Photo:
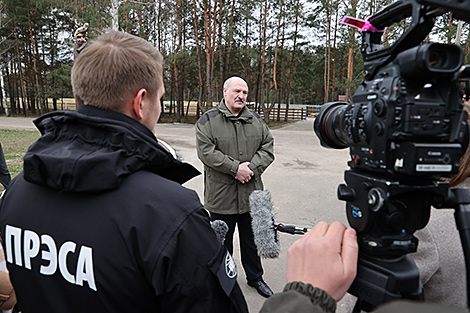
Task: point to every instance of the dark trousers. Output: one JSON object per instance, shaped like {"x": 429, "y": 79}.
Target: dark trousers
{"x": 250, "y": 260}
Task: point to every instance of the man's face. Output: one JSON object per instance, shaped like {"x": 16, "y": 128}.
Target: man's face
{"x": 235, "y": 96}
{"x": 152, "y": 109}
{"x": 81, "y": 38}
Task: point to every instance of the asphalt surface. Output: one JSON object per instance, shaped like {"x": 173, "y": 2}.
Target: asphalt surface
{"x": 302, "y": 180}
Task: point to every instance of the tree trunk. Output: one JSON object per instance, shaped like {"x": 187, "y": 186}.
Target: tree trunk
{"x": 141, "y": 26}
{"x": 350, "y": 73}
{"x": 280, "y": 73}
{"x": 199, "y": 65}
{"x": 246, "y": 46}
{"x": 263, "y": 61}
{"x": 467, "y": 47}
{"x": 207, "y": 37}
{"x": 333, "y": 90}
{"x": 276, "y": 90}
{"x": 128, "y": 18}
{"x": 449, "y": 32}
{"x": 21, "y": 82}
{"x": 34, "y": 55}
{"x": 221, "y": 54}
{"x": 115, "y": 14}
{"x": 53, "y": 82}
{"x": 289, "y": 82}
{"x": 229, "y": 40}
{"x": 179, "y": 102}
{"x": 12, "y": 90}
{"x": 326, "y": 75}
{"x": 159, "y": 27}
{"x": 213, "y": 41}
{"x": 4, "y": 96}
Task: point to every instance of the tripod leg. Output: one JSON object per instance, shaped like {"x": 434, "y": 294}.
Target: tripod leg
{"x": 357, "y": 306}
{"x": 462, "y": 219}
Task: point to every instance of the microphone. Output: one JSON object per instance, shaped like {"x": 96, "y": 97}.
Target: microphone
{"x": 264, "y": 225}
{"x": 220, "y": 228}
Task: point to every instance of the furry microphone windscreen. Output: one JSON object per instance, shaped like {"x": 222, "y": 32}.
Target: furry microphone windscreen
{"x": 220, "y": 228}
{"x": 262, "y": 215}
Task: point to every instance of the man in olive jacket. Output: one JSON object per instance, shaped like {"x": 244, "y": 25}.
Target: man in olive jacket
{"x": 236, "y": 147}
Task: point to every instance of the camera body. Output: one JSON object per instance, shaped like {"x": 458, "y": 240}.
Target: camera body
{"x": 405, "y": 128}
{"x": 407, "y": 120}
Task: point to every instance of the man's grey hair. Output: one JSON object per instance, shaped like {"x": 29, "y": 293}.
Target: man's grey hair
{"x": 229, "y": 80}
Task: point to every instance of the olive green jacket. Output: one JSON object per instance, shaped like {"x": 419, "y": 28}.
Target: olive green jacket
{"x": 298, "y": 297}
{"x": 223, "y": 141}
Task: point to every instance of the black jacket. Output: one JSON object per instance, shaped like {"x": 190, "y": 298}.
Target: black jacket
{"x": 98, "y": 222}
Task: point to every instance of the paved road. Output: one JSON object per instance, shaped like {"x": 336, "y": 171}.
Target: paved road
{"x": 302, "y": 180}
{"x": 17, "y": 123}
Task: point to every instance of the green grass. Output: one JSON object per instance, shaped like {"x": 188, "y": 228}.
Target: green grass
{"x": 15, "y": 143}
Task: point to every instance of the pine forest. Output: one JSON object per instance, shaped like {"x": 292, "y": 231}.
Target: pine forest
{"x": 289, "y": 51}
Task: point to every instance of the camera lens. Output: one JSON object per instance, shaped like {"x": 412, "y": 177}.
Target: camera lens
{"x": 330, "y": 127}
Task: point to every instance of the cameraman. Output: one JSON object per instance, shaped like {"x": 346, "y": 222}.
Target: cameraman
{"x": 80, "y": 38}
{"x": 320, "y": 268}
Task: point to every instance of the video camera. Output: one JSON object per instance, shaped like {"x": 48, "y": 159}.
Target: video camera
{"x": 405, "y": 128}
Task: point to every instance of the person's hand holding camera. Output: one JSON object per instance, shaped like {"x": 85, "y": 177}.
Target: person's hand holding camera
{"x": 325, "y": 257}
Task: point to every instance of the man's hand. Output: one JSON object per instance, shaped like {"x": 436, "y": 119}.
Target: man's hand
{"x": 326, "y": 258}
{"x": 244, "y": 173}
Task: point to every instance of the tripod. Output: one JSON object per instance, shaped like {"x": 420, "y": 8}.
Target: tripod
{"x": 379, "y": 281}
{"x": 459, "y": 199}
{"x": 386, "y": 213}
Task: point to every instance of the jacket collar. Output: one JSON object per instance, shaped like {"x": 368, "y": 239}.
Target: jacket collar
{"x": 93, "y": 150}
{"x": 244, "y": 115}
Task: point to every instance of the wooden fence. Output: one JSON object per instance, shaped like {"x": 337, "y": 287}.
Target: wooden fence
{"x": 295, "y": 112}
{"x": 276, "y": 114}
{"x": 279, "y": 114}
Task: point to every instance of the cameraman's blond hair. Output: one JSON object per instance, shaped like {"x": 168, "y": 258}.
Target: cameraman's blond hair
{"x": 464, "y": 169}
{"x": 113, "y": 68}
